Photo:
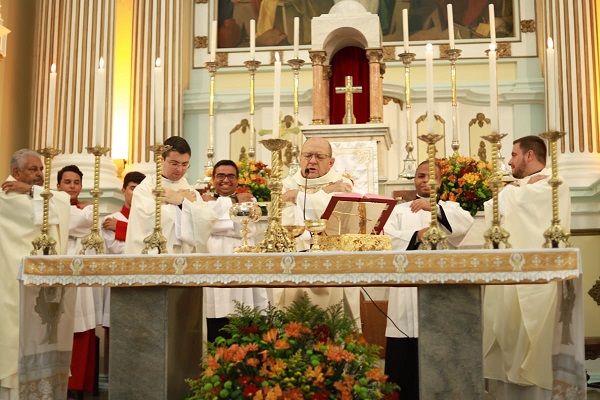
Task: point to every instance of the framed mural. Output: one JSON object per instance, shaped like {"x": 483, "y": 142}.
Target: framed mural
{"x": 427, "y": 21}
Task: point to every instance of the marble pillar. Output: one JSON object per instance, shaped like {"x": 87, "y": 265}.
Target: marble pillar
{"x": 375, "y": 86}
{"x": 450, "y": 342}
{"x": 318, "y": 59}
{"x": 326, "y": 89}
{"x": 74, "y": 34}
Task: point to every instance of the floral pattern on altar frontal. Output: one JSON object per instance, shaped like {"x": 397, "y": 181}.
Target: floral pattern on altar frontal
{"x": 302, "y": 352}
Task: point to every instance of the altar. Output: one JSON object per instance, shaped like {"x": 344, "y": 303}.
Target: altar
{"x": 157, "y": 313}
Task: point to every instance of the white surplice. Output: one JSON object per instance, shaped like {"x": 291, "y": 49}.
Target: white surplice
{"x": 186, "y": 229}
{"x": 524, "y": 329}
{"x": 227, "y": 235}
{"x": 312, "y": 202}
{"x": 401, "y": 226}
{"x": 20, "y": 224}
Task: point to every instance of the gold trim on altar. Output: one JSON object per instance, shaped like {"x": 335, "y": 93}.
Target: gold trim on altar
{"x": 386, "y": 268}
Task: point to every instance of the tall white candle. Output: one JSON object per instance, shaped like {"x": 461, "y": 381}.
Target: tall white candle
{"x": 296, "y": 36}
{"x": 492, "y": 23}
{"x": 213, "y": 40}
{"x": 493, "y": 89}
{"x": 51, "y": 101}
{"x": 99, "y": 104}
{"x": 252, "y": 38}
{"x": 429, "y": 81}
{"x": 405, "y": 29}
{"x": 276, "y": 95}
{"x": 450, "y": 25}
{"x": 551, "y": 86}
{"x": 158, "y": 102}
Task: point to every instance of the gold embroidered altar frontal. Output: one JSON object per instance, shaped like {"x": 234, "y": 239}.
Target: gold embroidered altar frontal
{"x": 369, "y": 268}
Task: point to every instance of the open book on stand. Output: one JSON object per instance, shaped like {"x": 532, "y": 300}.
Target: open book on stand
{"x": 355, "y": 221}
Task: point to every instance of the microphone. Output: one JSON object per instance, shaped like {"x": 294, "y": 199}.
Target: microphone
{"x": 306, "y": 171}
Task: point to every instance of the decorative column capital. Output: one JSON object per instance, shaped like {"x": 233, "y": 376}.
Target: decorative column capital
{"x": 317, "y": 57}
{"x": 374, "y": 55}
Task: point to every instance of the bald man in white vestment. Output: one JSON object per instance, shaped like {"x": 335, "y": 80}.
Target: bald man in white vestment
{"x": 406, "y": 226}
{"x": 186, "y": 220}
{"x": 21, "y": 210}
{"x": 520, "y": 320}
{"x": 307, "y": 194}
{"x": 226, "y": 236}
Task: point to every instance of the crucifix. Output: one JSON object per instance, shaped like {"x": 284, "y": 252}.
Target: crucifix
{"x": 349, "y": 90}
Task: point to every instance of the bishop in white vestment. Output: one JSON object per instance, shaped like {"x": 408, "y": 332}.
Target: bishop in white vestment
{"x": 308, "y": 193}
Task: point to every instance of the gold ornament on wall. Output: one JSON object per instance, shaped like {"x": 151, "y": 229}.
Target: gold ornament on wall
{"x": 527, "y": 26}
{"x": 200, "y": 42}
{"x": 504, "y": 50}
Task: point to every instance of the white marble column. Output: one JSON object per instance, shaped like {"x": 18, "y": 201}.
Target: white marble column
{"x": 573, "y": 26}
{"x": 157, "y": 33}
{"x": 74, "y": 34}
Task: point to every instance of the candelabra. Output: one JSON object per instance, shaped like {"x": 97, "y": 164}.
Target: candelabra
{"x": 495, "y": 234}
{"x": 94, "y": 240}
{"x": 212, "y": 68}
{"x": 252, "y": 66}
{"x": 296, "y": 64}
{"x": 434, "y": 236}
{"x": 157, "y": 240}
{"x": 556, "y": 233}
{"x": 453, "y": 55}
{"x": 45, "y": 242}
{"x": 409, "y": 169}
{"x": 276, "y": 239}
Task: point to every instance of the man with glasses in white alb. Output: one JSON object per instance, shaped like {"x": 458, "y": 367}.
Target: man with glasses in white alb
{"x": 186, "y": 220}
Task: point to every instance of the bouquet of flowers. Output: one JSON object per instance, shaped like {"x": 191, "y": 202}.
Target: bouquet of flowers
{"x": 253, "y": 178}
{"x": 465, "y": 180}
{"x": 302, "y": 352}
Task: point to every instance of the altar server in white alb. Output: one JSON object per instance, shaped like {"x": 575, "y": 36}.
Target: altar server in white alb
{"x": 532, "y": 345}
{"x": 114, "y": 230}
{"x": 21, "y": 211}
{"x": 307, "y": 194}
{"x": 186, "y": 220}
{"x": 89, "y": 305}
{"x": 226, "y": 236}
{"x": 406, "y": 226}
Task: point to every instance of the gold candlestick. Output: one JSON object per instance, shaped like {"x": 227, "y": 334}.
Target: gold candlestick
{"x": 212, "y": 68}
{"x": 94, "y": 240}
{"x": 276, "y": 239}
{"x": 453, "y": 55}
{"x": 296, "y": 64}
{"x": 409, "y": 169}
{"x": 434, "y": 236}
{"x": 252, "y": 66}
{"x": 556, "y": 233}
{"x": 157, "y": 240}
{"x": 45, "y": 242}
{"x": 495, "y": 234}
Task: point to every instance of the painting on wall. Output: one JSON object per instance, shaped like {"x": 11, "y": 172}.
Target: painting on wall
{"x": 427, "y": 20}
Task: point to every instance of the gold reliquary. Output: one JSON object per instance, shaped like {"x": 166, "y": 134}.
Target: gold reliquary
{"x": 355, "y": 222}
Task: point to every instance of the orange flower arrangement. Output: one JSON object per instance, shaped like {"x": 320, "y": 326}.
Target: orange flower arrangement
{"x": 302, "y": 352}
{"x": 465, "y": 181}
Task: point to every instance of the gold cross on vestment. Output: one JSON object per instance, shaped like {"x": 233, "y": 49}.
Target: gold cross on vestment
{"x": 349, "y": 90}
